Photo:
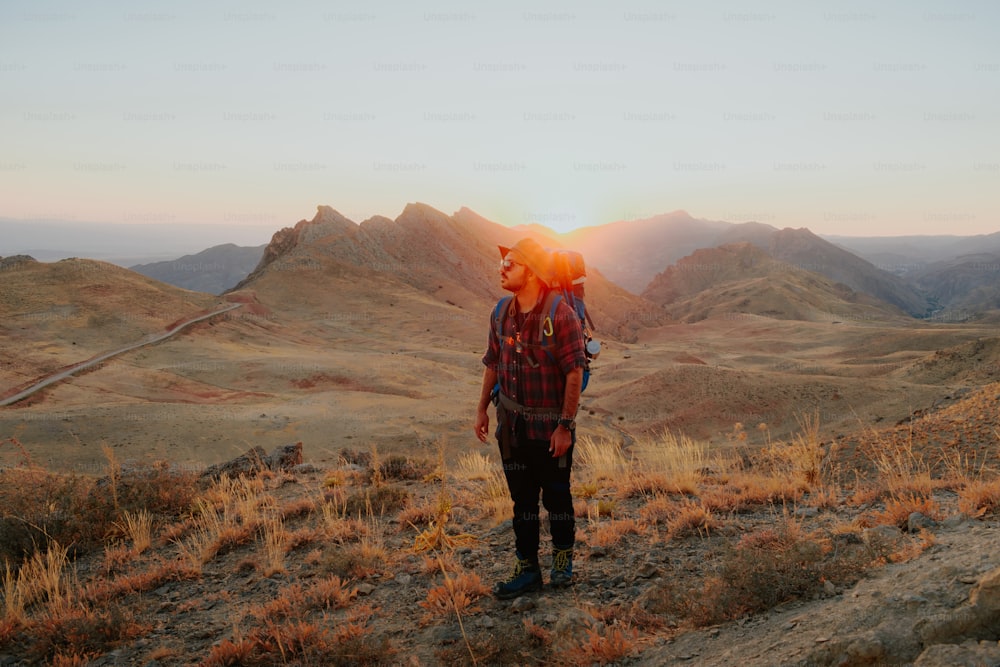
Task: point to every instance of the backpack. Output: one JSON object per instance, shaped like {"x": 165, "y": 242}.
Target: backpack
{"x": 565, "y": 284}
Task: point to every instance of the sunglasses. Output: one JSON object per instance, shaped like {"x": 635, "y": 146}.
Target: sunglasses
{"x": 506, "y": 264}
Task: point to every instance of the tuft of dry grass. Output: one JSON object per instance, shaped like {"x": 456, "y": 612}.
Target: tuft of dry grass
{"x": 602, "y": 648}
{"x": 691, "y": 517}
{"x": 138, "y": 528}
{"x": 978, "y": 498}
{"x": 898, "y": 509}
{"x": 606, "y": 534}
{"x": 456, "y": 595}
{"x": 600, "y": 459}
{"x": 436, "y": 536}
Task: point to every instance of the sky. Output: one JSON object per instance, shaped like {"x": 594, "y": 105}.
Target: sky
{"x": 849, "y": 118}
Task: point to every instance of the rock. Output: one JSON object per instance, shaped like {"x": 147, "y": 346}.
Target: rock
{"x": 883, "y": 534}
{"x": 829, "y": 589}
{"x": 986, "y": 596}
{"x": 917, "y": 522}
{"x": 487, "y": 622}
{"x": 255, "y": 461}
{"x": 647, "y": 570}
{"x": 572, "y": 627}
{"x": 304, "y": 469}
{"x": 403, "y": 579}
{"x": 522, "y": 604}
{"x": 365, "y": 589}
{"x": 969, "y": 654}
{"x": 598, "y": 552}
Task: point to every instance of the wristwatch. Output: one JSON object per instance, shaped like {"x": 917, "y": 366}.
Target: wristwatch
{"x": 568, "y": 424}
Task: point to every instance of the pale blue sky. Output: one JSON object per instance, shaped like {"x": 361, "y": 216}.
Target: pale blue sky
{"x": 867, "y": 118}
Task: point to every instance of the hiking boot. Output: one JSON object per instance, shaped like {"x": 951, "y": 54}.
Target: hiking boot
{"x": 525, "y": 577}
{"x": 562, "y": 568}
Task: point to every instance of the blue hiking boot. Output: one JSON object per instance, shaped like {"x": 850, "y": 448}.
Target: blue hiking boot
{"x": 525, "y": 577}
{"x": 561, "y": 574}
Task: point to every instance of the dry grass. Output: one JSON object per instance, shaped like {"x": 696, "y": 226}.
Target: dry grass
{"x": 600, "y": 459}
{"x": 138, "y": 528}
{"x": 669, "y": 490}
{"x": 979, "y": 497}
{"x": 898, "y": 509}
{"x": 436, "y": 536}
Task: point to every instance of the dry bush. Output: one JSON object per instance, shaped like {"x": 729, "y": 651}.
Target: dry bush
{"x": 417, "y": 515}
{"x": 377, "y": 500}
{"x": 802, "y": 458}
{"x": 403, "y": 468}
{"x": 155, "y": 576}
{"x": 657, "y": 511}
{"x": 441, "y": 561}
{"x": 138, "y": 528}
{"x": 330, "y": 593}
{"x": 898, "y": 510}
{"x": 600, "y": 459}
{"x": 473, "y": 466}
{"x": 761, "y": 570}
{"x": 979, "y": 497}
{"x": 670, "y": 463}
{"x": 691, "y": 517}
{"x": 44, "y": 579}
{"x": 80, "y": 630}
{"x": 38, "y": 507}
{"x": 901, "y": 468}
{"x": 486, "y": 497}
{"x": 586, "y": 490}
{"x": 298, "y": 508}
{"x": 611, "y": 533}
{"x": 364, "y": 558}
{"x": 825, "y": 496}
{"x": 436, "y": 536}
{"x": 602, "y": 648}
{"x": 275, "y": 546}
{"x": 456, "y": 596}
{"x": 750, "y": 488}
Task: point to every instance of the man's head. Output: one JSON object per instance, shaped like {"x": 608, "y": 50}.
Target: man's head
{"x": 525, "y": 260}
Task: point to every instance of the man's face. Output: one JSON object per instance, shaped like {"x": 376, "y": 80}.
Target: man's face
{"x": 513, "y": 274}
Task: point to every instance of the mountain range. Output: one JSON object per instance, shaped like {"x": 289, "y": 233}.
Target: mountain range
{"x": 921, "y": 276}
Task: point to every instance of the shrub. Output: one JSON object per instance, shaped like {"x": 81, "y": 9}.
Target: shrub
{"x": 376, "y": 501}
{"x": 763, "y": 569}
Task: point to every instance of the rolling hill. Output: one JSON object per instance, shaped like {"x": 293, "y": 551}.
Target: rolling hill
{"x": 740, "y": 279}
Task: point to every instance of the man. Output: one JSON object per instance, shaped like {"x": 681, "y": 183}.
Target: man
{"x": 539, "y": 391}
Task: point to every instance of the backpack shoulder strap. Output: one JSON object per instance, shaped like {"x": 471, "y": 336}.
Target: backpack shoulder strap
{"x": 546, "y": 327}
{"x": 500, "y": 314}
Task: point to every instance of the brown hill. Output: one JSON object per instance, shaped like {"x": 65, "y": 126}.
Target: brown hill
{"x": 963, "y": 287}
{"x": 631, "y": 253}
{"x": 53, "y": 314}
{"x": 737, "y": 280}
{"x": 805, "y": 250}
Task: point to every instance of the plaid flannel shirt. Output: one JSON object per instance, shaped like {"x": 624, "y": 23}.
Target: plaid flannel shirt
{"x": 544, "y": 384}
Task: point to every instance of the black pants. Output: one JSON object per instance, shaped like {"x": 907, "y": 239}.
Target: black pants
{"x": 530, "y": 470}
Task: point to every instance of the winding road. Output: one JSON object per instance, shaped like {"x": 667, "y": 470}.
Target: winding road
{"x": 83, "y": 365}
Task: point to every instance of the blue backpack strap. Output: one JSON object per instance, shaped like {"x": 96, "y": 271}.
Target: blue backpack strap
{"x": 499, "y": 314}
{"x": 547, "y": 331}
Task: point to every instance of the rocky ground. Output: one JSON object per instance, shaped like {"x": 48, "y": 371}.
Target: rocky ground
{"x": 936, "y": 601}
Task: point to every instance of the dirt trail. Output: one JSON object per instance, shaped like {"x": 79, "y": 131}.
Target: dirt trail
{"x": 83, "y": 365}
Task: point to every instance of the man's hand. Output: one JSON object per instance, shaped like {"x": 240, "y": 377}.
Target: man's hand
{"x": 482, "y": 424}
{"x": 560, "y": 442}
